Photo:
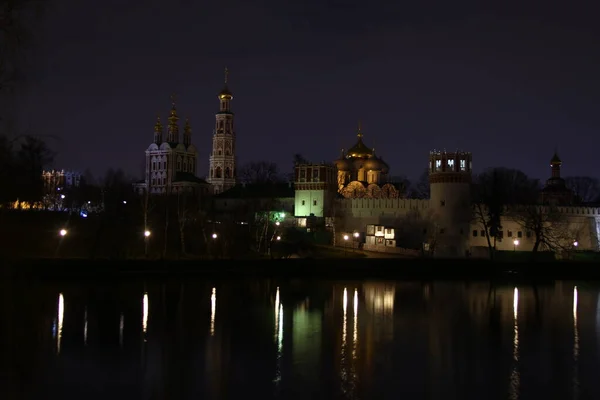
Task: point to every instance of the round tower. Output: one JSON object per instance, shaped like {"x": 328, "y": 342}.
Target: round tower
{"x": 450, "y": 201}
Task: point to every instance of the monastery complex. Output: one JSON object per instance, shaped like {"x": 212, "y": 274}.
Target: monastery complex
{"x": 353, "y": 194}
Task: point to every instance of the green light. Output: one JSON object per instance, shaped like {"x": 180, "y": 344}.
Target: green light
{"x": 281, "y": 215}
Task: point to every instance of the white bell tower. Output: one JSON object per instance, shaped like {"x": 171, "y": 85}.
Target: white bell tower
{"x": 222, "y": 171}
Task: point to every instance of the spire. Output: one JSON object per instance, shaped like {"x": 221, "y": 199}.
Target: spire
{"x": 555, "y": 158}
{"x": 359, "y": 134}
{"x": 187, "y": 133}
{"x": 158, "y": 131}
{"x": 225, "y": 93}
{"x": 173, "y": 129}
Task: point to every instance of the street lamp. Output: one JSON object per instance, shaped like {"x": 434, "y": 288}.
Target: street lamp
{"x": 575, "y": 243}
{"x": 515, "y": 243}
{"x": 277, "y": 223}
{"x": 346, "y": 237}
{"x": 62, "y": 232}
{"x": 278, "y": 237}
{"x": 214, "y": 235}
{"x": 146, "y": 238}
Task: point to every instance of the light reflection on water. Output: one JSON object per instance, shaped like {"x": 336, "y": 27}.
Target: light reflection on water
{"x": 390, "y": 339}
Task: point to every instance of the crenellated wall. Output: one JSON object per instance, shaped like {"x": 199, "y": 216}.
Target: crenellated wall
{"x": 582, "y": 223}
{"x": 358, "y": 213}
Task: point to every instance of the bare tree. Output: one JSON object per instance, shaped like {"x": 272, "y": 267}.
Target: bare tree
{"x": 259, "y": 172}
{"x": 493, "y": 191}
{"x": 419, "y": 189}
{"x": 549, "y": 227}
{"x": 585, "y": 188}
{"x": 414, "y": 229}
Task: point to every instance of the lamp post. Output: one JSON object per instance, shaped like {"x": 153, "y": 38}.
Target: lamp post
{"x": 515, "y": 244}
{"x": 346, "y": 237}
{"x": 147, "y": 234}
{"x": 356, "y": 236}
{"x": 214, "y": 237}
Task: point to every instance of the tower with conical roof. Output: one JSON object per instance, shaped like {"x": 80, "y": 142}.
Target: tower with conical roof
{"x": 222, "y": 169}
{"x": 555, "y": 190}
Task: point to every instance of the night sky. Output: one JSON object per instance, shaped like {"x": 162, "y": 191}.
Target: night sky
{"x": 508, "y": 83}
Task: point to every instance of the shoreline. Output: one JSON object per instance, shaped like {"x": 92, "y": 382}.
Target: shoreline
{"x": 336, "y": 269}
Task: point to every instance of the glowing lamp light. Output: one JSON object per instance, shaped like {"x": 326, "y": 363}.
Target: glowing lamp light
{"x": 516, "y": 242}
{"x": 147, "y": 233}
{"x": 277, "y": 223}
{"x": 346, "y": 237}
{"x": 356, "y": 234}
{"x": 62, "y": 196}
{"x": 278, "y": 237}
{"x": 575, "y": 243}
{"x": 124, "y": 201}
{"x": 214, "y": 235}
{"x": 62, "y": 232}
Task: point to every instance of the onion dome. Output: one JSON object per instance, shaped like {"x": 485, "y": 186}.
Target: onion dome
{"x": 359, "y": 150}
{"x": 225, "y": 93}
{"x": 343, "y": 164}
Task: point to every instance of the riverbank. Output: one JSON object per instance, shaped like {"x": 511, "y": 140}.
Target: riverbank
{"x": 351, "y": 269}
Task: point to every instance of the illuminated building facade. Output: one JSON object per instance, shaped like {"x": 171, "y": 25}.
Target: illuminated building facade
{"x": 222, "y": 169}
{"x": 446, "y": 223}
{"x": 171, "y": 161}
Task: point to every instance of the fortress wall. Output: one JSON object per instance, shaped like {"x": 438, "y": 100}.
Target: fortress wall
{"x": 583, "y": 228}
{"x": 358, "y": 213}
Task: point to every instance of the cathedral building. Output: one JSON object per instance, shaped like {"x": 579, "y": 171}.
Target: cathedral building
{"x": 171, "y": 160}
{"x": 360, "y": 173}
{"x": 222, "y": 168}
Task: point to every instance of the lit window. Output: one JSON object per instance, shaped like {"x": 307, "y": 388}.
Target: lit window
{"x": 451, "y": 163}
{"x": 463, "y": 165}
{"x": 438, "y": 164}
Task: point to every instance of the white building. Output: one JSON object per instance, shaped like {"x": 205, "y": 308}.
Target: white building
{"x": 222, "y": 168}
{"x": 171, "y": 162}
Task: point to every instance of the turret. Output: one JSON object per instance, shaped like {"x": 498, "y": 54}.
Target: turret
{"x": 187, "y": 133}
{"x": 450, "y": 177}
{"x": 173, "y": 128}
{"x": 158, "y": 131}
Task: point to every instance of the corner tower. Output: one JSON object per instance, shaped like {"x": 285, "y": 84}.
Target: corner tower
{"x": 450, "y": 188}
{"x": 222, "y": 169}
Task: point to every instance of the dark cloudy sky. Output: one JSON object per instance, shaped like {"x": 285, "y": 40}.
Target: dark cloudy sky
{"x": 506, "y": 80}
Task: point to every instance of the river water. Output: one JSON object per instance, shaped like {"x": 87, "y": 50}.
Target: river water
{"x": 236, "y": 339}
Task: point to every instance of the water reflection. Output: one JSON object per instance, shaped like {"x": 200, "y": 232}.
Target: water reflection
{"x": 85, "y": 327}
{"x": 278, "y": 338}
{"x": 575, "y": 346}
{"x": 515, "y": 378}
{"x": 121, "y": 326}
{"x": 440, "y": 340}
{"x": 145, "y": 308}
{"x": 348, "y": 356}
{"x": 213, "y": 310}
{"x": 60, "y": 320}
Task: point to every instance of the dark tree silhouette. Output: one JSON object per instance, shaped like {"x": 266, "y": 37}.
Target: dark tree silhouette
{"x": 419, "y": 189}
{"x": 493, "y": 191}
{"x": 259, "y": 172}
{"x": 585, "y": 188}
